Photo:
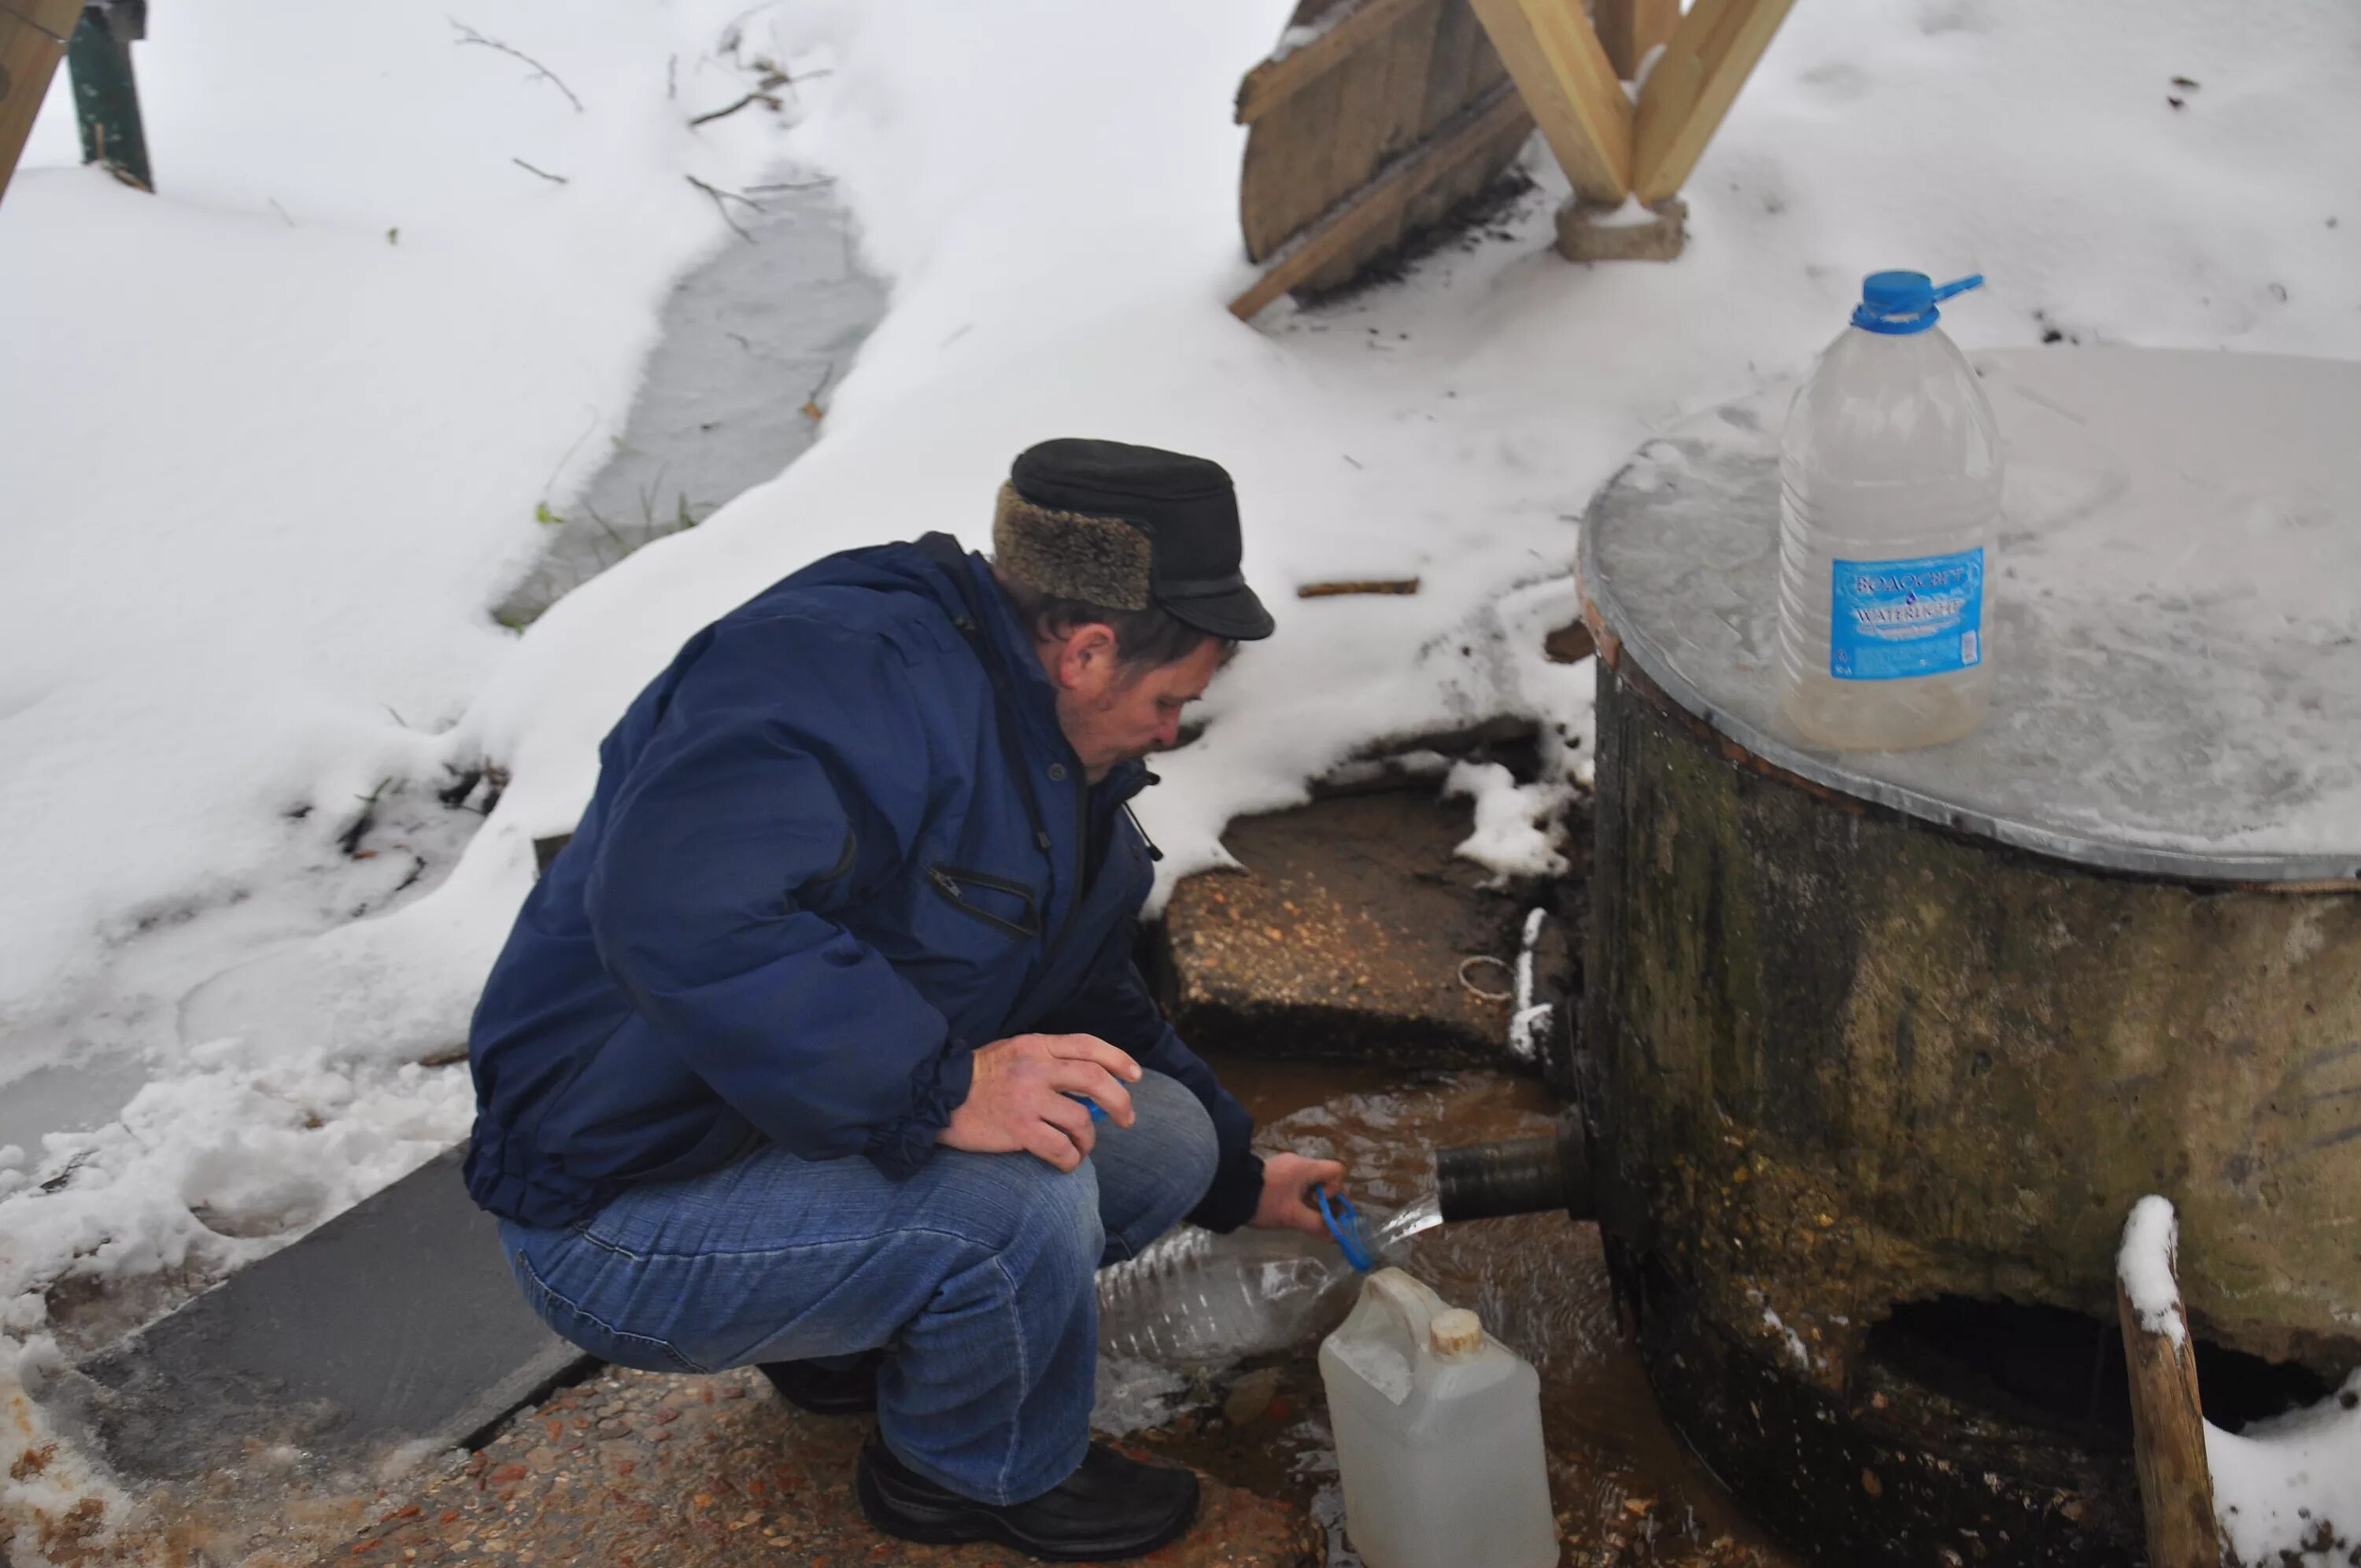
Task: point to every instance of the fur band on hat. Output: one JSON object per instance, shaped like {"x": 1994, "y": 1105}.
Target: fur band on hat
{"x": 1072, "y": 554}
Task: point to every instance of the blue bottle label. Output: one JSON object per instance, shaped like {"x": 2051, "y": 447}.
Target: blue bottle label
{"x": 1892, "y": 620}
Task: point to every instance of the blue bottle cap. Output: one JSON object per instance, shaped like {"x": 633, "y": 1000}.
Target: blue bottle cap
{"x": 1344, "y": 1225}
{"x": 1899, "y": 303}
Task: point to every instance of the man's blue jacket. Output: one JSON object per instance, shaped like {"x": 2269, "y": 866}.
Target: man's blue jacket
{"x": 838, "y": 846}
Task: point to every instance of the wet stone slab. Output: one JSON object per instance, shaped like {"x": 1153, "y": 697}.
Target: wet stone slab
{"x": 396, "y": 1322}
{"x": 1344, "y": 939}
{"x": 633, "y": 1468}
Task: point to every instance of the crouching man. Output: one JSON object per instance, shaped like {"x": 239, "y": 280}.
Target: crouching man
{"x": 792, "y": 1058}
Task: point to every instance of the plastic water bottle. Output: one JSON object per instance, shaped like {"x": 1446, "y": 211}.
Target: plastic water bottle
{"x": 1889, "y": 486}
{"x": 1438, "y": 1435}
{"x": 1195, "y": 1297}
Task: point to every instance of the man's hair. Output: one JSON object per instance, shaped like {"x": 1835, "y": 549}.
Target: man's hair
{"x": 1144, "y": 639}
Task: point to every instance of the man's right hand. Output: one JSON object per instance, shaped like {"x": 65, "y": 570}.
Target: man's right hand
{"x": 1020, "y": 1101}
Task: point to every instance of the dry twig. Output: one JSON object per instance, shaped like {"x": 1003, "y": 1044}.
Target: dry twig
{"x": 545, "y": 174}
{"x": 811, "y": 409}
{"x": 721, "y": 200}
{"x": 468, "y": 35}
{"x": 765, "y": 99}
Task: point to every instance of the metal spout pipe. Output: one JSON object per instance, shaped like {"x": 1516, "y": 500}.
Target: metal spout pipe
{"x": 1517, "y": 1176}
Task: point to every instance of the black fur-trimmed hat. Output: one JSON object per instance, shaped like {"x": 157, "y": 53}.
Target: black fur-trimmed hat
{"x": 1127, "y": 527}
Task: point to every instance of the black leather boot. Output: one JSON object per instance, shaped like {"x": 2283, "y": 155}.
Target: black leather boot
{"x": 1109, "y": 1508}
{"x": 830, "y": 1385}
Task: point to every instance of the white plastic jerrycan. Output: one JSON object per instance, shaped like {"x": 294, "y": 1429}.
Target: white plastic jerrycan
{"x": 1438, "y": 1435}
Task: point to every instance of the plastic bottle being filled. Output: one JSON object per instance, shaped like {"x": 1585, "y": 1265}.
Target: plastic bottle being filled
{"x": 1195, "y": 1297}
{"x": 1889, "y": 489}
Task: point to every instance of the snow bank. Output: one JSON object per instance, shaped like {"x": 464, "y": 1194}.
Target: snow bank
{"x": 271, "y": 462}
{"x": 2287, "y": 1490}
{"x": 277, "y": 438}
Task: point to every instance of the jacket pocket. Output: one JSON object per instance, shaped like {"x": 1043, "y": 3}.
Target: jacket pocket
{"x": 1003, "y": 904}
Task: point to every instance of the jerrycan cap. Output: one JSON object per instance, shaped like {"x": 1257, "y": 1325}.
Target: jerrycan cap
{"x": 1455, "y": 1331}
{"x": 1899, "y": 303}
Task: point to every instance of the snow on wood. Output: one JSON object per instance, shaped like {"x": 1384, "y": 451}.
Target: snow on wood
{"x": 2145, "y": 1263}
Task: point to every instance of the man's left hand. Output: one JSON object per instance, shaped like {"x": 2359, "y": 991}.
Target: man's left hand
{"x": 1287, "y": 1182}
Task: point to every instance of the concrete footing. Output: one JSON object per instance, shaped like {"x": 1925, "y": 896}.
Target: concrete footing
{"x": 1593, "y": 231}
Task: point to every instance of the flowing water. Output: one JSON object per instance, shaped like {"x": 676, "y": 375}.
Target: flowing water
{"x": 1625, "y": 1490}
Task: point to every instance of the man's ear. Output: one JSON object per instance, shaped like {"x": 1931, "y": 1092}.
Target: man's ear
{"x": 1087, "y": 663}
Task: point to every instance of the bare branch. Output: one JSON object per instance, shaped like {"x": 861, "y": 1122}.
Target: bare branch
{"x": 468, "y": 35}
{"x": 765, "y": 99}
{"x": 797, "y": 184}
{"x": 545, "y": 174}
{"x": 721, "y": 200}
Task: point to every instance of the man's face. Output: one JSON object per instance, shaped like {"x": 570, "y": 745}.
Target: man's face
{"x": 1112, "y": 712}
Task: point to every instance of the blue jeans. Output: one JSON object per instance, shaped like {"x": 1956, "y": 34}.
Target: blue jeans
{"x": 976, "y": 1276}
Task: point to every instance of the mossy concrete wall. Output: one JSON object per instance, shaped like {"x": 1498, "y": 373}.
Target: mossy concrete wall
{"x": 1840, "y": 1061}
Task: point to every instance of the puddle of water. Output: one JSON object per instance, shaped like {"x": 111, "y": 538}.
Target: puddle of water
{"x": 1625, "y": 1490}
{"x": 68, "y": 1097}
{"x": 751, "y": 344}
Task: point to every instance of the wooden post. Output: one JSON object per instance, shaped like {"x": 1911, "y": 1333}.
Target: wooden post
{"x": 2167, "y": 1423}
{"x": 33, "y": 36}
{"x": 1573, "y": 90}
{"x": 1692, "y": 86}
{"x": 106, "y": 94}
{"x": 1627, "y": 29}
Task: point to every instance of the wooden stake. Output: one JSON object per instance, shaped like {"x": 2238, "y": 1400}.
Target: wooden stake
{"x": 2168, "y": 1439}
{"x": 1361, "y": 586}
{"x": 1692, "y": 87}
{"x": 1384, "y": 198}
{"x": 33, "y": 35}
{"x": 1571, "y": 87}
{"x": 1627, "y": 29}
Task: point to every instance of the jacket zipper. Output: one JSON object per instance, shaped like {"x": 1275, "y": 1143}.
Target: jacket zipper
{"x": 946, "y": 880}
{"x": 1153, "y": 852}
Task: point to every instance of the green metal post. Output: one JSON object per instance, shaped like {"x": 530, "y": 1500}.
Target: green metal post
{"x": 106, "y": 100}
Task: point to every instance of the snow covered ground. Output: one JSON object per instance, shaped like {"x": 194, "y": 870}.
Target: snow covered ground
{"x": 277, "y": 438}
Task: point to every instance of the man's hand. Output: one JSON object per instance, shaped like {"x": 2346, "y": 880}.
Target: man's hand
{"x": 1287, "y": 1182}
{"x": 1020, "y": 1101}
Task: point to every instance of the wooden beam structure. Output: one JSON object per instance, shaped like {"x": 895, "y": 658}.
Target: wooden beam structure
{"x": 1383, "y": 201}
{"x": 33, "y": 35}
{"x": 1692, "y": 87}
{"x": 1627, "y": 29}
{"x": 1571, "y": 86}
{"x": 2169, "y": 1433}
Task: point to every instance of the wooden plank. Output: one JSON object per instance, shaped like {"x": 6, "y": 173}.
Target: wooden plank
{"x": 1367, "y": 113}
{"x": 2169, "y": 1435}
{"x": 1693, "y": 85}
{"x": 1450, "y": 57}
{"x": 1409, "y": 57}
{"x": 1627, "y": 29}
{"x": 1286, "y": 182}
{"x": 1357, "y": 585}
{"x": 1435, "y": 204}
{"x": 1556, "y": 60}
{"x": 1353, "y": 219}
{"x": 1344, "y": 30}
{"x": 33, "y": 36}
